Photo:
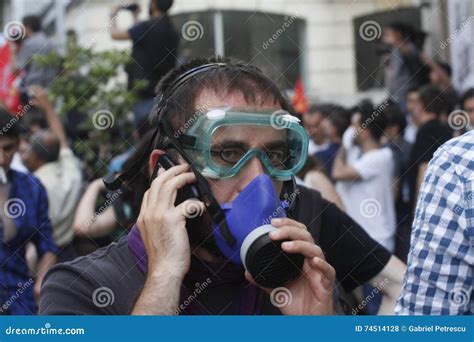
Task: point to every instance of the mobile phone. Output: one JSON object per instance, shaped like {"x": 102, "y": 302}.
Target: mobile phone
{"x": 186, "y": 192}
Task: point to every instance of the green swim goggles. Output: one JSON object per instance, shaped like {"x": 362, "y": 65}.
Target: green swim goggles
{"x": 220, "y": 142}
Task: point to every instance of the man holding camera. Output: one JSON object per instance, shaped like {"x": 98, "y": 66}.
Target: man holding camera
{"x": 155, "y": 44}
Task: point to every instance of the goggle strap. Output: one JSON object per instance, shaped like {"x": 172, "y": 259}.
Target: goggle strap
{"x": 114, "y": 182}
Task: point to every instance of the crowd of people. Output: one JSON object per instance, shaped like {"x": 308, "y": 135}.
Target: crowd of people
{"x": 390, "y": 212}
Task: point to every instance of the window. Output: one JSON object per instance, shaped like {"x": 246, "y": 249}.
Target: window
{"x": 368, "y": 43}
{"x": 272, "y": 42}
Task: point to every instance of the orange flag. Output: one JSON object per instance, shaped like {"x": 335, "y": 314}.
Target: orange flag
{"x": 299, "y": 101}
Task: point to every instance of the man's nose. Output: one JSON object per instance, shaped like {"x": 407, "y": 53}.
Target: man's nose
{"x": 253, "y": 169}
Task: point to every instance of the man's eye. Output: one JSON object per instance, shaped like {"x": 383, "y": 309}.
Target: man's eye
{"x": 277, "y": 157}
{"x": 231, "y": 155}
{"x": 8, "y": 148}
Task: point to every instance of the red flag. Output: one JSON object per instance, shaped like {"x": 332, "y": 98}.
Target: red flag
{"x": 299, "y": 101}
{"x": 9, "y": 95}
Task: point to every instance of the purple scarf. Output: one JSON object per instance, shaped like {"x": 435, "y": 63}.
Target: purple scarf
{"x": 250, "y": 297}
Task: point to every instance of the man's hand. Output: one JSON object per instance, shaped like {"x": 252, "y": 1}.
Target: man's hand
{"x": 55, "y": 125}
{"x": 163, "y": 230}
{"x": 41, "y": 98}
{"x": 312, "y": 292}
{"x": 163, "y": 226}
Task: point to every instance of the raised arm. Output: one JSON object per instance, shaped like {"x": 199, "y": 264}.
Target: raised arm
{"x": 55, "y": 125}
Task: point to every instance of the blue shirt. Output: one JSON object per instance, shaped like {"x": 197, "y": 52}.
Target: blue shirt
{"x": 440, "y": 274}
{"x": 27, "y": 206}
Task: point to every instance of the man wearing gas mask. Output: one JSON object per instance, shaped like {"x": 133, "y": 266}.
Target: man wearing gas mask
{"x": 226, "y": 230}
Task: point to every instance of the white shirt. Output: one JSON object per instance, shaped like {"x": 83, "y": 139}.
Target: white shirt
{"x": 313, "y": 147}
{"x": 17, "y": 164}
{"x": 370, "y": 201}
{"x": 62, "y": 180}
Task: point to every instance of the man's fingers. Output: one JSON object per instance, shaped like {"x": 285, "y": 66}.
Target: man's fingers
{"x": 291, "y": 233}
{"x": 285, "y": 221}
{"x": 308, "y": 249}
{"x": 143, "y": 207}
{"x": 169, "y": 189}
{"x": 158, "y": 182}
{"x": 325, "y": 268}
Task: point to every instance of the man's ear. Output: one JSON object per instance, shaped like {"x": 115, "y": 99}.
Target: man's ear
{"x": 155, "y": 154}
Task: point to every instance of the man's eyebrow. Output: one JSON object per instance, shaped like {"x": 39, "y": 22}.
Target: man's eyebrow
{"x": 8, "y": 146}
{"x": 229, "y": 143}
{"x": 276, "y": 144}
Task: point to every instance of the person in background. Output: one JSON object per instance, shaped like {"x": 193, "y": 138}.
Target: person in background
{"x": 403, "y": 68}
{"x": 335, "y": 122}
{"x": 154, "y": 52}
{"x": 24, "y": 219}
{"x": 365, "y": 185}
{"x": 314, "y": 177}
{"x": 432, "y": 133}
{"x": 441, "y": 77}
{"x": 312, "y": 122}
{"x": 35, "y": 43}
{"x": 467, "y": 105}
{"x": 50, "y": 159}
{"x": 413, "y": 104}
{"x": 393, "y": 138}
{"x": 439, "y": 277}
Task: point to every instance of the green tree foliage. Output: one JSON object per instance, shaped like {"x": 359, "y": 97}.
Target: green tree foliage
{"x": 90, "y": 94}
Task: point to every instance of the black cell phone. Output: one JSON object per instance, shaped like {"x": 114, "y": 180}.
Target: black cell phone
{"x": 186, "y": 192}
